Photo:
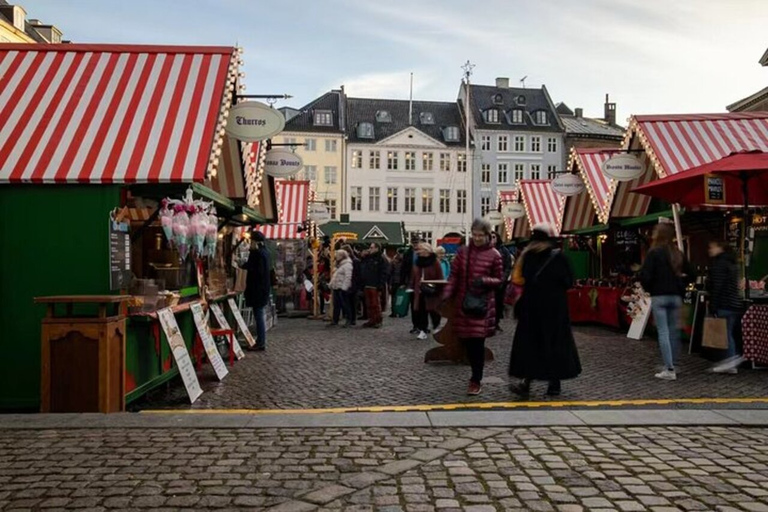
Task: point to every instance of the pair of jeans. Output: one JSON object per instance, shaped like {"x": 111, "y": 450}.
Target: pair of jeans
{"x": 666, "y": 313}
{"x": 732, "y": 319}
{"x": 475, "y": 348}
{"x": 342, "y": 303}
{"x": 261, "y": 327}
{"x": 373, "y": 306}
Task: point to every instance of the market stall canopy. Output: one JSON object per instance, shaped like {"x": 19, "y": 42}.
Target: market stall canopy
{"x": 696, "y": 186}
{"x": 542, "y": 204}
{"x": 386, "y": 233}
{"x": 293, "y": 200}
{"x": 588, "y": 163}
{"x": 81, "y": 113}
{"x": 506, "y": 197}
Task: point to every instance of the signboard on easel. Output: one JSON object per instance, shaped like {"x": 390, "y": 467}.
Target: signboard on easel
{"x": 180, "y": 353}
{"x": 201, "y": 322}
{"x": 219, "y": 314}
{"x": 241, "y": 323}
{"x": 640, "y": 320}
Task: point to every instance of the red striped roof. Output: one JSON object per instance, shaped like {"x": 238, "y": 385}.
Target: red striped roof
{"x": 293, "y": 200}
{"x": 627, "y": 203}
{"x": 508, "y": 196}
{"x": 588, "y": 162}
{"x": 542, "y": 204}
{"x": 578, "y": 212}
{"x": 111, "y": 113}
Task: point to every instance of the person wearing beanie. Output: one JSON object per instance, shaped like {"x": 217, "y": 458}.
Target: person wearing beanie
{"x": 543, "y": 346}
{"x": 257, "y": 286}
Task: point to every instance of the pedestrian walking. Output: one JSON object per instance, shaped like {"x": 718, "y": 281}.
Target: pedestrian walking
{"x": 664, "y": 275}
{"x": 543, "y": 347}
{"x": 426, "y": 297}
{"x": 445, "y": 265}
{"x": 257, "y": 286}
{"x": 725, "y": 301}
{"x": 506, "y": 265}
{"x": 356, "y": 288}
{"x": 394, "y": 279}
{"x": 373, "y": 276}
{"x": 341, "y": 284}
{"x": 475, "y": 273}
{"x": 406, "y": 270}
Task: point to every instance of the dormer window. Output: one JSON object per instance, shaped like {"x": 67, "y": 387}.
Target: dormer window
{"x": 498, "y": 99}
{"x": 365, "y": 131}
{"x": 492, "y": 116}
{"x": 427, "y": 118}
{"x": 517, "y": 116}
{"x": 451, "y": 133}
{"x": 540, "y": 117}
{"x": 323, "y": 118}
{"x": 520, "y": 100}
{"x": 382, "y": 116}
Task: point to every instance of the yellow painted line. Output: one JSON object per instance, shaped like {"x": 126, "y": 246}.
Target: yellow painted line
{"x": 469, "y": 405}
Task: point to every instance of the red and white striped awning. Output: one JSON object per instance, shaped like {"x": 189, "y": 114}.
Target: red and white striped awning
{"x": 629, "y": 204}
{"x": 504, "y": 197}
{"x": 588, "y": 163}
{"x": 230, "y": 180}
{"x": 80, "y": 113}
{"x": 292, "y": 201}
{"x": 542, "y": 204}
{"x": 578, "y": 212}
{"x": 521, "y": 229}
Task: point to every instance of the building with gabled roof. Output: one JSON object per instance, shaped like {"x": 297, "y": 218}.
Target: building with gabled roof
{"x": 756, "y": 102}
{"x": 590, "y": 132}
{"x": 16, "y": 28}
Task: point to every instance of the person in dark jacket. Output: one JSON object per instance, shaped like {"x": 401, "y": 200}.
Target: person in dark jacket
{"x": 665, "y": 275}
{"x": 506, "y": 265}
{"x": 394, "y": 279}
{"x": 373, "y": 278}
{"x": 476, "y": 270}
{"x": 725, "y": 300}
{"x": 406, "y": 270}
{"x": 543, "y": 346}
{"x": 356, "y": 288}
{"x": 427, "y": 268}
{"x": 257, "y": 286}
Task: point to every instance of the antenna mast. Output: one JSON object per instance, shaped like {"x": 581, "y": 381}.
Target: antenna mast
{"x": 410, "y": 104}
{"x": 469, "y": 187}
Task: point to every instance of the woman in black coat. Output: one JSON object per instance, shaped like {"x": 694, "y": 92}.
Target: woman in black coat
{"x": 543, "y": 347}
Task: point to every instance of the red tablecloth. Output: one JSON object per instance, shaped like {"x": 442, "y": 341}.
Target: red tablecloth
{"x": 755, "y": 331}
{"x": 597, "y": 304}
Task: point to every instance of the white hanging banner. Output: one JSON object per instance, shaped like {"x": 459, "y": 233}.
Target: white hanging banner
{"x": 180, "y": 353}
{"x": 201, "y": 322}
{"x": 219, "y": 314}
{"x": 241, "y": 323}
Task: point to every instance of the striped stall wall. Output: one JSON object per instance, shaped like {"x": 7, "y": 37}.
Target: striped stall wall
{"x": 629, "y": 204}
{"x": 504, "y": 197}
{"x": 578, "y": 212}
{"x": 542, "y": 204}
{"x": 111, "y": 113}
{"x": 293, "y": 201}
{"x": 588, "y": 162}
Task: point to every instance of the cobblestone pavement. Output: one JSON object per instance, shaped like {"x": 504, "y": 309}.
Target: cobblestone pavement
{"x": 564, "y": 469}
{"x": 308, "y": 365}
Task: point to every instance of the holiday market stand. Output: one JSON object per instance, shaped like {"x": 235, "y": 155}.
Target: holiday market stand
{"x": 92, "y": 138}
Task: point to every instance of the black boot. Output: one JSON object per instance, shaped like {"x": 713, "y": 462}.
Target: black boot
{"x": 554, "y": 388}
{"x": 522, "y": 389}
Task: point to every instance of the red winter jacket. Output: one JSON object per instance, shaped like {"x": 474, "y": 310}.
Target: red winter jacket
{"x": 485, "y": 264}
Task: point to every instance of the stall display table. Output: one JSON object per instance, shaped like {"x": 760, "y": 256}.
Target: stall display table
{"x": 598, "y": 304}
{"x": 755, "y": 333}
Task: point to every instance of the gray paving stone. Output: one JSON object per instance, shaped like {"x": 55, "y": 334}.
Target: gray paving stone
{"x": 401, "y": 466}
{"x": 633, "y": 417}
{"x": 327, "y": 494}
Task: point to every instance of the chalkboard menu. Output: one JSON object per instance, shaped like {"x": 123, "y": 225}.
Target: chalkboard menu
{"x": 734, "y": 236}
{"x": 714, "y": 190}
{"x": 119, "y": 255}
{"x": 626, "y": 239}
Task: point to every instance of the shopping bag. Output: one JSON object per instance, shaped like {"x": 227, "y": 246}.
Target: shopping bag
{"x": 715, "y": 333}
{"x": 402, "y": 303}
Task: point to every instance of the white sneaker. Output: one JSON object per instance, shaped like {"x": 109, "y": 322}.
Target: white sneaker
{"x": 666, "y": 375}
{"x": 422, "y": 335}
{"x": 725, "y": 370}
{"x": 437, "y": 329}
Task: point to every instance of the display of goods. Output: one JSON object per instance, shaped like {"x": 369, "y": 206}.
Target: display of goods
{"x": 166, "y": 220}
{"x": 198, "y": 225}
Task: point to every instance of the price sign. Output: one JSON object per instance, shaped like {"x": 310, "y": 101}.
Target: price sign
{"x": 201, "y": 322}
{"x": 219, "y": 314}
{"x": 714, "y": 189}
{"x": 119, "y": 255}
{"x": 241, "y": 323}
{"x": 180, "y": 353}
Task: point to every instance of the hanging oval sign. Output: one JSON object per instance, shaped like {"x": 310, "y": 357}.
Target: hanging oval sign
{"x": 513, "y": 210}
{"x": 568, "y": 184}
{"x": 251, "y": 121}
{"x": 319, "y": 213}
{"x": 494, "y": 217}
{"x": 623, "y": 167}
{"x": 281, "y": 163}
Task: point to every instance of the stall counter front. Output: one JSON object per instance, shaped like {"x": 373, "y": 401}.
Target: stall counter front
{"x": 596, "y": 304}
{"x": 755, "y": 333}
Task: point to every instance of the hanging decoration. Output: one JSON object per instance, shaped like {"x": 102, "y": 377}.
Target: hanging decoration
{"x": 190, "y": 226}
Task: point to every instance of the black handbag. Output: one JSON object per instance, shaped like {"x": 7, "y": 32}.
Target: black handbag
{"x": 474, "y": 305}
{"x": 428, "y": 289}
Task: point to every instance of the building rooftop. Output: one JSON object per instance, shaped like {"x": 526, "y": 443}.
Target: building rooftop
{"x": 323, "y": 115}
{"x": 505, "y": 100}
{"x": 576, "y": 126}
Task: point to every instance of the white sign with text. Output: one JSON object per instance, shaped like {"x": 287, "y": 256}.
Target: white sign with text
{"x": 219, "y": 314}
{"x": 251, "y": 121}
{"x": 180, "y": 353}
{"x": 201, "y": 322}
{"x": 623, "y": 167}
{"x": 568, "y": 185}
{"x": 241, "y": 323}
{"x": 281, "y": 163}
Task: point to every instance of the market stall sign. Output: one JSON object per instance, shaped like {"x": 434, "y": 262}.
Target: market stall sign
{"x": 568, "y": 185}
{"x": 513, "y": 210}
{"x": 495, "y": 218}
{"x": 201, "y": 322}
{"x": 714, "y": 189}
{"x": 623, "y": 167}
{"x": 251, "y": 121}
{"x": 222, "y": 320}
{"x": 282, "y": 163}
{"x": 319, "y": 213}
{"x": 180, "y": 353}
{"x": 241, "y": 323}
{"x": 119, "y": 255}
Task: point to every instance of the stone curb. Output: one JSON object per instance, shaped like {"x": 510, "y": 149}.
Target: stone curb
{"x": 479, "y": 419}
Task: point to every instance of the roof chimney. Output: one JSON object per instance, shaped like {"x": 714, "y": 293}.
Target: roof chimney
{"x": 15, "y": 14}
{"x": 610, "y": 112}
{"x": 578, "y": 112}
{"x": 502, "y": 83}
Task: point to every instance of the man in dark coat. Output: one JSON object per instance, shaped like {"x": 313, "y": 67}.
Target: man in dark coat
{"x": 406, "y": 270}
{"x": 506, "y": 263}
{"x": 725, "y": 301}
{"x": 356, "y": 283}
{"x": 543, "y": 347}
{"x": 373, "y": 278}
{"x": 257, "y": 286}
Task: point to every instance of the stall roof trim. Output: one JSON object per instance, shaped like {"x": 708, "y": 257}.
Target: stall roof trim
{"x": 542, "y": 204}
{"x": 111, "y": 113}
{"x": 588, "y": 163}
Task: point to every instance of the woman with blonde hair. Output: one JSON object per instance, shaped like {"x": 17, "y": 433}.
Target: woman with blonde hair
{"x": 341, "y": 284}
{"x": 664, "y": 275}
{"x": 426, "y": 297}
{"x": 543, "y": 347}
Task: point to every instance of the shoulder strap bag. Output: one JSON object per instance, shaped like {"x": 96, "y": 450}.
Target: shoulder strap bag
{"x": 474, "y": 305}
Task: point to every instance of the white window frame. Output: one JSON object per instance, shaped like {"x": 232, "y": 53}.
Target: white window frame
{"x": 502, "y": 143}
{"x": 485, "y": 205}
{"x": 392, "y": 199}
{"x": 461, "y": 201}
{"x": 492, "y": 116}
{"x": 392, "y": 160}
{"x": 461, "y": 162}
{"x": 551, "y": 172}
{"x": 331, "y": 145}
{"x": 519, "y": 143}
{"x": 541, "y": 117}
{"x": 502, "y": 173}
{"x": 535, "y": 171}
{"x": 310, "y": 144}
{"x": 445, "y": 162}
{"x": 427, "y": 161}
{"x": 332, "y": 207}
{"x": 518, "y": 116}
{"x": 374, "y": 199}
{"x": 356, "y": 199}
{"x": 552, "y": 145}
{"x": 485, "y": 143}
{"x": 485, "y": 174}
{"x": 374, "y": 159}
{"x": 410, "y": 160}
{"x": 310, "y": 172}
{"x": 323, "y": 118}
{"x": 410, "y": 200}
{"x": 536, "y": 144}
{"x": 331, "y": 175}
{"x": 357, "y": 159}
{"x": 427, "y": 200}
{"x": 445, "y": 200}
{"x": 519, "y": 172}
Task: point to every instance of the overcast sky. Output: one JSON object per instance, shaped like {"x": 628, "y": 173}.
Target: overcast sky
{"x": 652, "y": 56}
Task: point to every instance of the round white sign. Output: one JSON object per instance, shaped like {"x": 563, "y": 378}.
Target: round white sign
{"x": 568, "y": 184}
{"x": 281, "y": 163}
{"x": 319, "y": 213}
{"x": 513, "y": 210}
{"x": 251, "y": 121}
{"x": 494, "y": 217}
{"x": 623, "y": 167}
